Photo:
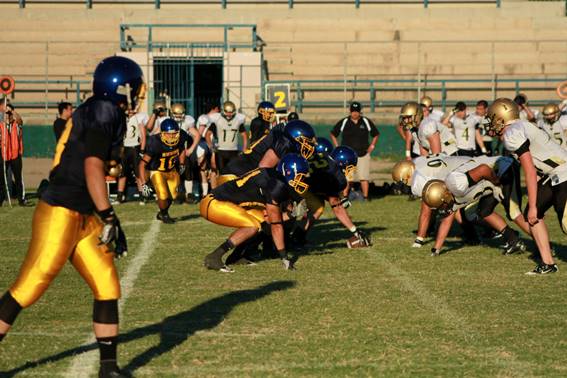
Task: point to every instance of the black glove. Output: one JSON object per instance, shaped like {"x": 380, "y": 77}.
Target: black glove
{"x": 363, "y": 237}
{"x": 181, "y": 169}
{"x": 158, "y": 110}
{"x": 112, "y": 233}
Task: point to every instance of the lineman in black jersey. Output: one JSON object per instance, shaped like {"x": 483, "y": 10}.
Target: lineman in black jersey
{"x": 165, "y": 158}
{"x": 296, "y": 136}
{"x": 261, "y": 125}
{"x": 246, "y": 202}
{"x": 327, "y": 181}
{"x": 65, "y": 227}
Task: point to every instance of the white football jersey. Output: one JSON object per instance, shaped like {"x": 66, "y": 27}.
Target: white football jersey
{"x": 429, "y": 127}
{"x": 132, "y": 135}
{"x": 548, "y": 157}
{"x": 433, "y": 167}
{"x": 437, "y": 115}
{"x": 227, "y": 130}
{"x": 465, "y": 131}
{"x": 557, "y": 131}
{"x": 157, "y": 124}
{"x": 187, "y": 123}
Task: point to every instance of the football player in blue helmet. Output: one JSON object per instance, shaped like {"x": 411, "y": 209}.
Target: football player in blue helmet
{"x": 74, "y": 221}
{"x": 261, "y": 125}
{"x": 324, "y": 146}
{"x": 303, "y": 135}
{"x": 235, "y": 204}
{"x": 346, "y": 158}
{"x": 165, "y": 158}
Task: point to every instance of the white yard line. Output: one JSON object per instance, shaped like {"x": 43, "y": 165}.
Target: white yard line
{"x": 457, "y": 321}
{"x": 84, "y": 364}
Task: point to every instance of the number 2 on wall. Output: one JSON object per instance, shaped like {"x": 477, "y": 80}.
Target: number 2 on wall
{"x": 280, "y": 99}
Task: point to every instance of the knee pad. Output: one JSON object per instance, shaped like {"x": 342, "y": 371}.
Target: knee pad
{"x": 9, "y": 308}
{"x": 105, "y": 312}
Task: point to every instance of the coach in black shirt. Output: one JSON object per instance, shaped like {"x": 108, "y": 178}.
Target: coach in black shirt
{"x": 356, "y": 130}
{"x": 65, "y": 111}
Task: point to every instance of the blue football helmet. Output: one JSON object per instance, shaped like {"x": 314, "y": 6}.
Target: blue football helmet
{"x": 324, "y": 146}
{"x": 346, "y": 158}
{"x": 120, "y": 80}
{"x": 303, "y": 135}
{"x": 169, "y": 132}
{"x": 267, "y": 111}
{"x": 294, "y": 169}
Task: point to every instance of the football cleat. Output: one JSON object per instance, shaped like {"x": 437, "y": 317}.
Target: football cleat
{"x": 112, "y": 372}
{"x": 288, "y": 264}
{"x": 418, "y": 243}
{"x": 543, "y": 269}
{"x": 165, "y": 218}
{"x": 435, "y": 252}
{"x": 516, "y": 246}
{"x": 214, "y": 262}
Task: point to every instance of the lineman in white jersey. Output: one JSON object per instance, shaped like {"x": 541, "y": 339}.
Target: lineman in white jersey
{"x": 466, "y": 128}
{"x": 134, "y": 145}
{"x": 432, "y": 136}
{"x": 479, "y": 184}
{"x": 225, "y": 127}
{"x": 538, "y": 155}
{"x": 554, "y": 124}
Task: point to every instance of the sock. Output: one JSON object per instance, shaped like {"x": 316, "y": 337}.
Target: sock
{"x": 223, "y": 248}
{"x": 509, "y": 235}
{"x": 205, "y": 188}
{"x": 107, "y": 349}
{"x": 164, "y": 212}
{"x": 188, "y": 187}
{"x": 2, "y": 336}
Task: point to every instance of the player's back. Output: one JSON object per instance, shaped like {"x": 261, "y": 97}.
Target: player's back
{"x": 325, "y": 176}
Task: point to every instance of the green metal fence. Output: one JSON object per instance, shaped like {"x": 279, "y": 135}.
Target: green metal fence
{"x": 374, "y": 89}
{"x": 290, "y": 3}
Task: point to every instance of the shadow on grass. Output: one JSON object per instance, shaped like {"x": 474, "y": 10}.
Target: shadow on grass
{"x": 187, "y": 217}
{"x": 173, "y": 330}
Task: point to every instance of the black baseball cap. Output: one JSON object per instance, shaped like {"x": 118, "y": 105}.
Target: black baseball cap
{"x": 355, "y": 107}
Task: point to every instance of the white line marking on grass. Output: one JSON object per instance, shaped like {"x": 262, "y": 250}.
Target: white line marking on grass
{"x": 511, "y": 365}
{"x": 83, "y": 364}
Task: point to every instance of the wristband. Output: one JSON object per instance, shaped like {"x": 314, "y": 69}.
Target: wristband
{"x": 483, "y": 150}
{"x": 106, "y": 214}
{"x": 408, "y": 153}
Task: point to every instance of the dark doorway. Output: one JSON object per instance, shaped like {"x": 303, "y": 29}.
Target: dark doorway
{"x": 190, "y": 82}
{"x": 208, "y": 86}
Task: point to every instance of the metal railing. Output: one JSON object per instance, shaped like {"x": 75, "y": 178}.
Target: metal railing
{"x": 225, "y": 3}
{"x": 127, "y": 43}
{"x": 494, "y": 88}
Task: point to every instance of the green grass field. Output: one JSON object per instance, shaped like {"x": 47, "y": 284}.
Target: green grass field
{"x": 388, "y": 310}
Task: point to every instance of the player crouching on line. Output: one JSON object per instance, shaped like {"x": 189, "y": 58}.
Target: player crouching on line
{"x": 328, "y": 171}
{"x": 482, "y": 182}
{"x": 165, "y": 157}
{"x": 241, "y": 203}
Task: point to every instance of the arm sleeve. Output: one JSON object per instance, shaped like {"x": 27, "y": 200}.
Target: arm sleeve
{"x": 241, "y": 128}
{"x": 373, "y": 130}
{"x": 336, "y": 131}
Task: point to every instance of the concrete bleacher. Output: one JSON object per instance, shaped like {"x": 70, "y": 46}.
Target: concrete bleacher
{"x": 311, "y": 41}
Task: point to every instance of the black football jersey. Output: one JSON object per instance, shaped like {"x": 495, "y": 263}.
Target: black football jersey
{"x": 249, "y": 159}
{"x": 260, "y": 186}
{"x": 95, "y": 129}
{"x": 325, "y": 176}
{"x": 258, "y": 129}
{"x": 166, "y": 158}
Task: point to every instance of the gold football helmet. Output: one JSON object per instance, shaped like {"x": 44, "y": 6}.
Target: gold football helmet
{"x": 411, "y": 115}
{"x": 501, "y": 113}
{"x": 436, "y": 195}
{"x": 551, "y": 113}
{"x": 426, "y": 101}
{"x": 113, "y": 168}
{"x": 403, "y": 171}
{"x": 159, "y": 105}
{"x": 228, "y": 110}
{"x": 178, "y": 112}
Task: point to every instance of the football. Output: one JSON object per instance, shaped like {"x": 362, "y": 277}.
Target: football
{"x": 356, "y": 242}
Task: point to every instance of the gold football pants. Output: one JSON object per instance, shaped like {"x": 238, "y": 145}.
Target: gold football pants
{"x": 231, "y": 215}
{"x": 58, "y": 235}
{"x": 165, "y": 184}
